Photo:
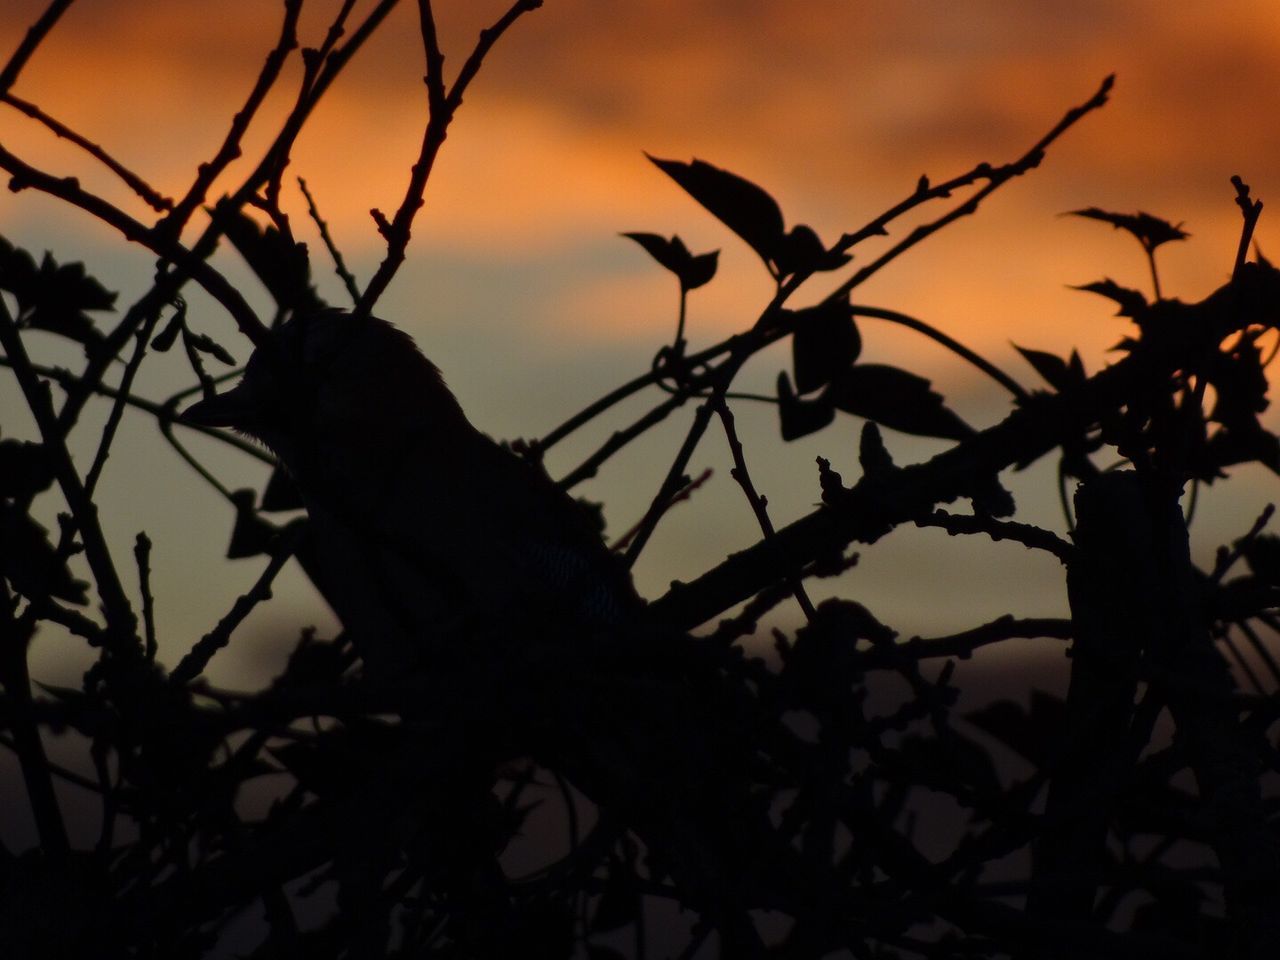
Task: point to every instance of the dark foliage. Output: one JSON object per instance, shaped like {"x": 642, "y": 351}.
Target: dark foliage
{"x": 675, "y": 792}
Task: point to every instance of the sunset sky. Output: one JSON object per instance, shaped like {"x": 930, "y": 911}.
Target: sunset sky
{"x": 521, "y": 290}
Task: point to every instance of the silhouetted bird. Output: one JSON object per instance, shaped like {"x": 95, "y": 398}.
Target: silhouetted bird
{"x": 426, "y": 530}
{"x": 419, "y": 519}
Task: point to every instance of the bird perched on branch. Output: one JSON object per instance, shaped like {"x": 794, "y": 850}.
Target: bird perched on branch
{"x": 418, "y": 517}
{"x": 421, "y": 522}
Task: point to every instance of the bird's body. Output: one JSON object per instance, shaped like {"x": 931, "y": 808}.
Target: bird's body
{"x": 418, "y": 518}
{"x": 426, "y": 531}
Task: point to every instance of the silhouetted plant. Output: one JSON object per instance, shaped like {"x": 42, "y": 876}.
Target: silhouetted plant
{"x": 707, "y": 795}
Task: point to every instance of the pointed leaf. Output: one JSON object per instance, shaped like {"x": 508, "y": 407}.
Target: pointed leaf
{"x": 1149, "y": 230}
{"x": 1131, "y": 302}
{"x": 692, "y": 271}
{"x": 872, "y": 453}
{"x": 672, "y": 253}
{"x": 281, "y": 493}
{"x": 825, "y": 342}
{"x": 1053, "y": 368}
{"x": 251, "y": 535}
{"x": 897, "y": 399}
{"x": 700, "y": 270}
{"x": 799, "y": 418}
{"x": 746, "y": 209}
{"x": 52, "y": 297}
{"x": 802, "y": 251}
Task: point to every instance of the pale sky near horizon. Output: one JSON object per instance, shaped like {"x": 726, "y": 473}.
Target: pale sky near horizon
{"x": 521, "y": 290}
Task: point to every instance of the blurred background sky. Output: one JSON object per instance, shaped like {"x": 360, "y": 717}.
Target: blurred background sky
{"x": 521, "y": 290}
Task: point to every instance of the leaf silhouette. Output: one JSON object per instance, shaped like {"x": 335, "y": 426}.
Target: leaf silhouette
{"x": 164, "y": 340}
{"x": 53, "y": 297}
{"x": 281, "y": 264}
{"x": 251, "y": 535}
{"x": 25, "y": 469}
{"x": 692, "y": 271}
{"x": 746, "y": 209}
{"x": 29, "y": 561}
{"x": 802, "y": 252}
{"x": 281, "y": 493}
{"x": 799, "y": 418}
{"x": 752, "y": 213}
{"x": 897, "y": 399}
{"x": 826, "y": 341}
{"x": 1058, "y": 373}
{"x": 1150, "y": 231}
{"x": 1131, "y": 302}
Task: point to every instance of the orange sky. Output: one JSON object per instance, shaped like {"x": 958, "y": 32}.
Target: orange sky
{"x": 518, "y": 284}
{"x": 834, "y": 106}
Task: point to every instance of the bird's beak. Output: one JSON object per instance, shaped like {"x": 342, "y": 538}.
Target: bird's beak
{"x": 234, "y": 408}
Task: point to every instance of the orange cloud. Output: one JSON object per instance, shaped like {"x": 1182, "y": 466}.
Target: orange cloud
{"x": 834, "y": 107}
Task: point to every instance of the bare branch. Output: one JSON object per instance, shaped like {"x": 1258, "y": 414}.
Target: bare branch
{"x": 35, "y": 35}
{"x": 194, "y": 663}
{"x": 122, "y": 623}
{"x": 339, "y": 265}
{"x": 442, "y": 108}
{"x": 759, "y": 505}
{"x": 152, "y": 197}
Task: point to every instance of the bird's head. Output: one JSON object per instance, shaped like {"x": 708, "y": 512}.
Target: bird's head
{"x": 329, "y": 385}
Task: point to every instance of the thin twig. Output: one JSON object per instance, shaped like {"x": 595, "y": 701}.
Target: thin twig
{"x": 230, "y": 148}
{"x": 194, "y": 663}
{"x": 1029, "y": 535}
{"x": 121, "y": 620}
{"x": 589, "y": 467}
{"x": 1227, "y": 559}
{"x": 118, "y": 405}
{"x": 73, "y": 621}
{"x": 1263, "y": 653}
{"x": 962, "y": 645}
{"x": 671, "y": 484}
{"x": 759, "y": 504}
{"x": 442, "y": 109}
{"x": 68, "y": 380}
{"x": 169, "y": 283}
{"x": 339, "y": 265}
{"x": 68, "y": 189}
{"x": 17, "y": 710}
{"x": 35, "y": 35}
{"x": 149, "y": 194}
{"x": 767, "y": 331}
{"x": 685, "y": 493}
{"x": 996, "y": 177}
{"x": 955, "y": 346}
{"x": 1251, "y": 210}
{"x": 142, "y": 553}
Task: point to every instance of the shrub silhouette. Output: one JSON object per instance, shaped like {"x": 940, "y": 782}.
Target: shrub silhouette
{"x": 680, "y": 793}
